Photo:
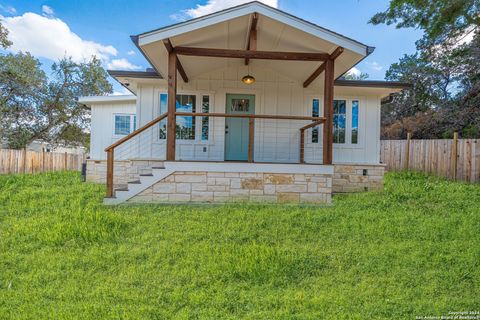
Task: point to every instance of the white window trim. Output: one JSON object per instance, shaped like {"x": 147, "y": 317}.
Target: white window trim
{"x": 348, "y": 122}
{"x": 198, "y": 120}
{"x": 132, "y": 123}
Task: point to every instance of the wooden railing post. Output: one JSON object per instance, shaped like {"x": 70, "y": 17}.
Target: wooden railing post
{"x": 302, "y": 145}
{"x": 328, "y": 112}
{"x": 110, "y": 173}
{"x": 407, "y": 151}
{"x": 171, "y": 105}
{"x": 455, "y": 155}
{"x": 251, "y": 132}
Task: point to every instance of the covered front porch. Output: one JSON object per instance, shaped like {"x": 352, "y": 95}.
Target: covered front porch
{"x": 278, "y": 52}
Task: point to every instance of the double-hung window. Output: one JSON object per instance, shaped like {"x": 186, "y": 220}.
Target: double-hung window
{"x": 186, "y": 126}
{"x": 124, "y": 124}
{"x": 345, "y": 121}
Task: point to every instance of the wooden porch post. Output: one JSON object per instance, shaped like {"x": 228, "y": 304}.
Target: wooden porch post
{"x": 110, "y": 173}
{"x": 328, "y": 112}
{"x": 172, "y": 94}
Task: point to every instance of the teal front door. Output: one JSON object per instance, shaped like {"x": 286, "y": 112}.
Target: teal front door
{"x": 236, "y": 129}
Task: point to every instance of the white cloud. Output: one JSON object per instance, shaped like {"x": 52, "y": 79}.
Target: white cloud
{"x": 374, "y": 65}
{"x": 47, "y": 11}
{"x": 354, "y": 72}
{"x": 214, "y": 6}
{"x": 122, "y": 64}
{"x": 52, "y": 38}
{"x": 131, "y": 53}
{"x": 8, "y": 9}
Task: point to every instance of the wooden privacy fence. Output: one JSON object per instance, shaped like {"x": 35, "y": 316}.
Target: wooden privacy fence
{"x": 456, "y": 159}
{"x": 25, "y": 161}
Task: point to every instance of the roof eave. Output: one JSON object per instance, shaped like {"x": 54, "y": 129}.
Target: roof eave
{"x": 245, "y": 9}
{"x": 372, "y": 84}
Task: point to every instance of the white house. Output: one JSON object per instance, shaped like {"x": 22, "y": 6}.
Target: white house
{"x": 245, "y": 104}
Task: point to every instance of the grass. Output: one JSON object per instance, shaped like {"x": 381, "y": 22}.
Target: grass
{"x": 413, "y": 250}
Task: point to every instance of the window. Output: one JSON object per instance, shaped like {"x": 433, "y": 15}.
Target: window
{"x": 185, "y": 129}
{"x": 205, "y": 120}
{"x": 240, "y": 105}
{"x": 125, "y": 124}
{"x": 354, "y": 122}
{"x": 163, "y": 109}
{"x": 339, "y": 117}
{"x": 315, "y": 113}
{"x": 186, "y": 125}
{"x": 346, "y": 115}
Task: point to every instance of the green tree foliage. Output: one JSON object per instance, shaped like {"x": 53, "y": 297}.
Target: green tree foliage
{"x": 36, "y": 107}
{"x": 352, "y": 76}
{"x": 441, "y": 20}
{"x": 4, "y": 42}
{"x": 444, "y": 73}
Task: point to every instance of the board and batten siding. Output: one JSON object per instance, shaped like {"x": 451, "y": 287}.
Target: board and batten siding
{"x": 102, "y": 126}
{"x": 275, "y": 140}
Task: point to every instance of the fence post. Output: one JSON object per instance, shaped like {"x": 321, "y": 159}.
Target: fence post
{"x": 65, "y": 165}
{"x": 407, "y": 151}
{"x": 43, "y": 160}
{"x": 455, "y": 155}
{"x": 25, "y": 160}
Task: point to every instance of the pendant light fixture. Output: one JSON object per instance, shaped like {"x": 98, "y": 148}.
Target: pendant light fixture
{"x": 248, "y": 79}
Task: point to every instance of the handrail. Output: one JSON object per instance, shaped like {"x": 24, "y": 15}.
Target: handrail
{"x": 110, "y": 149}
{"x": 311, "y": 125}
{"x": 251, "y": 117}
{"x": 139, "y": 130}
{"x": 254, "y": 116}
{"x": 302, "y": 137}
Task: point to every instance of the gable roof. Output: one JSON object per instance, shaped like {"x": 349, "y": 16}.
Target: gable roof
{"x": 277, "y": 31}
{"x": 246, "y": 9}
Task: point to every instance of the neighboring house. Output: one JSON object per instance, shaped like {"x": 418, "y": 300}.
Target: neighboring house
{"x": 42, "y": 146}
{"x": 255, "y": 114}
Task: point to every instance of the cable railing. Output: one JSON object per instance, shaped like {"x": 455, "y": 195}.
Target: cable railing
{"x": 141, "y": 142}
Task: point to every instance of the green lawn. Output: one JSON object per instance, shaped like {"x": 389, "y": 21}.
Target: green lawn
{"x": 413, "y": 250}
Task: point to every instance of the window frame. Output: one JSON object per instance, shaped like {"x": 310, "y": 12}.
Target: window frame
{"x": 133, "y": 123}
{"x": 348, "y": 122}
{"x": 198, "y": 119}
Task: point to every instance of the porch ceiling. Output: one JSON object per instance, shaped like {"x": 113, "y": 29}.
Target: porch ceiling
{"x": 276, "y": 31}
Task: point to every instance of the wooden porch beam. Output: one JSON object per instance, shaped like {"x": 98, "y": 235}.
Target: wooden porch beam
{"x": 328, "y": 112}
{"x": 169, "y": 47}
{"x": 266, "y": 55}
{"x": 335, "y": 54}
{"x": 252, "y": 36}
{"x": 314, "y": 75}
{"x": 172, "y": 95}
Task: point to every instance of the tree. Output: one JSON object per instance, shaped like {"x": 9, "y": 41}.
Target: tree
{"x": 445, "y": 94}
{"x": 353, "y": 76}
{"x": 441, "y": 20}
{"x": 444, "y": 72}
{"x": 34, "y": 107}
{"x": 4, "y": 42}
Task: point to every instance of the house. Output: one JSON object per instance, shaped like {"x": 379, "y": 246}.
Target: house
{"x": 244, "y": 104}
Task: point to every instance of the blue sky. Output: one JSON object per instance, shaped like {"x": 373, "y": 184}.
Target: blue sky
{"x": 79, "y": 28}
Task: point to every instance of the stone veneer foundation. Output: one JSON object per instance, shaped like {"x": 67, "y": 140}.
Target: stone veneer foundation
{"x": 221, "y": 186}
{"x": 357, "y": 178}
{"x": 184, "y": 186}
{"x": 124, "y": 171}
